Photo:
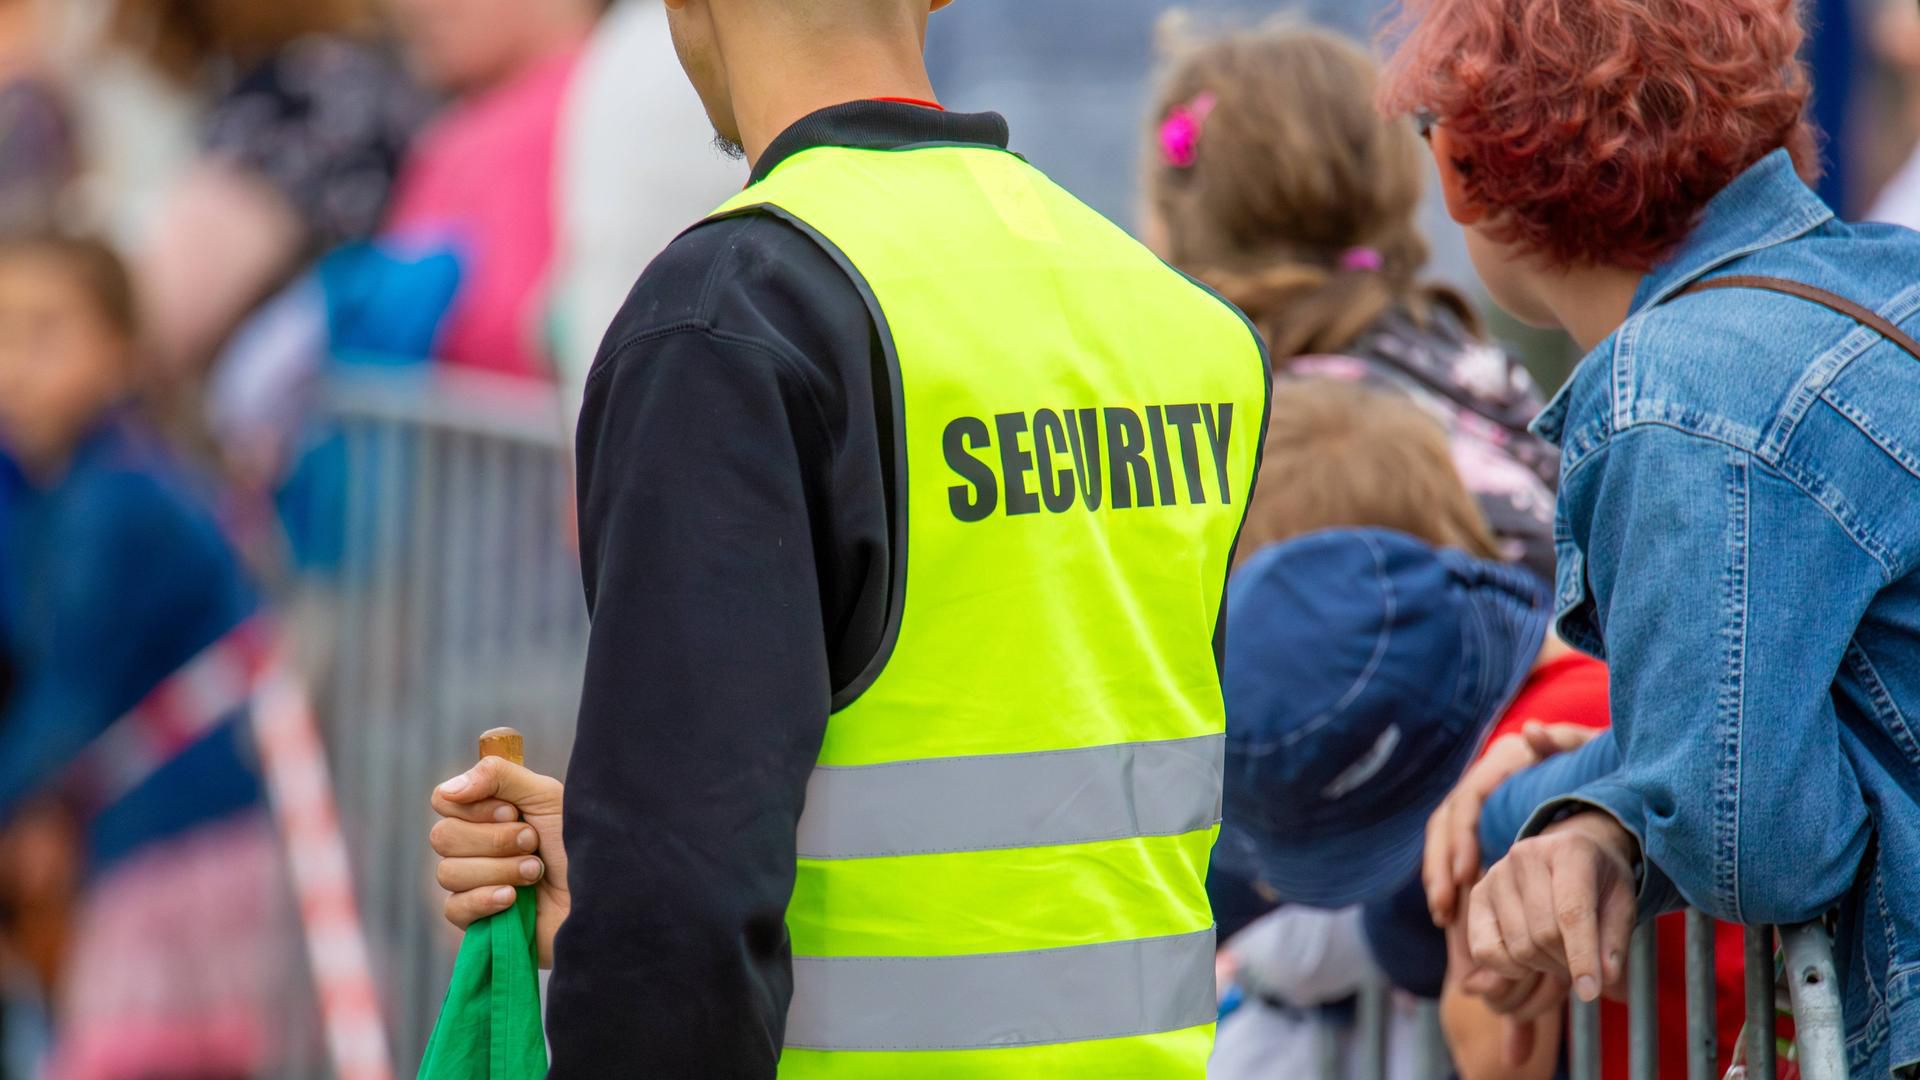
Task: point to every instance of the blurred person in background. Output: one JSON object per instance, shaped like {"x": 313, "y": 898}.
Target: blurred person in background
{"x": 1739, "y": 513}
{"x": 1366, "y": 579}
{"x": 37, "y": 167}
{"x": 38, "y": 161}
{"x": 483, "y": 183}
{"x": 1271, "y": 178}
{"x": 637, "y": 168}
{"x": 1836, "y": 60}
{"x": 459, "y": 270}
{"x": 306, "y": 119}
{"x": 120, "y": 580}
{"x": 1897, "y": 40}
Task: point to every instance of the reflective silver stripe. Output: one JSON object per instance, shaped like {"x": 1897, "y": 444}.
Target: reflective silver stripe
{"x": 1075, "y": 994}
{"x": 1013, "y": 800}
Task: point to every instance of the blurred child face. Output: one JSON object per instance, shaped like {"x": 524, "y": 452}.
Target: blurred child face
{"x": 61, "y": 361}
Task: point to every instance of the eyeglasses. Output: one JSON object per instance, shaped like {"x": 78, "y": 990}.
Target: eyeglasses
{"x": 1424, "y": 122}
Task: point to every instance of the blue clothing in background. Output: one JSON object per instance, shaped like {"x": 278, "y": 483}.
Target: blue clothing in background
{"x": 1411, "y": 951}
{"x": 13, "y": 488}
{"x": 1738, "y": 533}
{"x": 1832, "y": 53}
{"x": 117, "y": 575}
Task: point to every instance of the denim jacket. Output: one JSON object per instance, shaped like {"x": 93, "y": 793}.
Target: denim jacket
{"x": 1737, "y": 534}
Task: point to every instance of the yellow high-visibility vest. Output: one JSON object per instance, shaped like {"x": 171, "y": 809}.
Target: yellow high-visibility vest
{"x": 1004, "y": 848}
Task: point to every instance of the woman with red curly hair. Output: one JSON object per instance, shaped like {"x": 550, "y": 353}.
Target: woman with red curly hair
{"x": 1739, "y": 515}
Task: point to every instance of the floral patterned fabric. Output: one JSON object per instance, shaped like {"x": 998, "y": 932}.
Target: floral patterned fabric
{"x": 327, "y": 121}
{"x": 1484, "y": 399}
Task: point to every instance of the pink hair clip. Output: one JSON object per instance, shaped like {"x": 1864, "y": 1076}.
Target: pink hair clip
{"x": 1180, "y": 131}
{"x": 1362, "y": 259}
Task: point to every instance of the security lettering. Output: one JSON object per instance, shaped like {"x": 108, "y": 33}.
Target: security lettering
{"x": 1022, "y": 463}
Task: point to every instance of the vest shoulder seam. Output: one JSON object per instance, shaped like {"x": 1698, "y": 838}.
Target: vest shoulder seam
{"x": 794, "y": 365}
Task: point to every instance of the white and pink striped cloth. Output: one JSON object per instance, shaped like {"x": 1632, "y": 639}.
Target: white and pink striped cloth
{"x": 180, "y": 962}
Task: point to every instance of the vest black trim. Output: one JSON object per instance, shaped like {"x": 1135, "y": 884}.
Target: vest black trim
{"x": 1259, "y": 455}
{"x": 897, "y": 497}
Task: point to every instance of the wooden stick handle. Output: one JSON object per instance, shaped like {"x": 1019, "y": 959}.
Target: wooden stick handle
{"x": 504, "y": 742}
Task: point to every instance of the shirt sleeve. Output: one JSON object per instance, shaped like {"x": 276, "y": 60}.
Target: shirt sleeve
{"x": 1512, "y": 804}
{"x": 705, "y": 700}
{"x": 1723, "y": 652}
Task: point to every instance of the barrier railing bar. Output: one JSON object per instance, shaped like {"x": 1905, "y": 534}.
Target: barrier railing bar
{"x": 496, "y": 407}
{"x": 1703, "y": 1033}
{"x": 412, "y": 505}
{"x": 1583, "y": 1041}
{"x": 1371, "y": 1032}
{"x": 381, "y": 776}
{"x": 1760, "y": 1004}
{"x": 1643, "y": 1017}
{"x": 1330, "y": 1062}
{"x": 1819, "y": 1031}
{"x": 1434, "y": 1062}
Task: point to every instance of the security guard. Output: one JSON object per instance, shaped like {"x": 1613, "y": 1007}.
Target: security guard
{"x": 908, "y": 489}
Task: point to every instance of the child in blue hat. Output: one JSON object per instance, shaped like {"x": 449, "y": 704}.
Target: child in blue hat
{"x": 1372, "y": 638}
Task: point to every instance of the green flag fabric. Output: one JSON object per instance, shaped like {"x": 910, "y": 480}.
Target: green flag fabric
{"x": 489, "y": 1026}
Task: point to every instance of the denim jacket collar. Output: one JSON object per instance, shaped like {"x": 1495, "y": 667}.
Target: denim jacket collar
{"x": 1766, "y": 205}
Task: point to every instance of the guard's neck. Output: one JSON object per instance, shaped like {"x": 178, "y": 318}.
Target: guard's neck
{"x": 776, "y": 78}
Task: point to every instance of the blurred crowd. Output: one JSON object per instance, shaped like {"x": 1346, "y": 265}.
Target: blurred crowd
{"x": 209, "y": 208}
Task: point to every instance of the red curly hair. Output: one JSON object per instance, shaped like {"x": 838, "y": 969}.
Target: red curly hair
{"x": 1595, "y": 131}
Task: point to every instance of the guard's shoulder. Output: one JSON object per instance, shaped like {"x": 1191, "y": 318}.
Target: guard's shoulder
{"x": 755, "y": 279}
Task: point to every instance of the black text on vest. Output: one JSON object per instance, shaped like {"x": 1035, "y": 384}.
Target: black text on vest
{"x": 1054, "y": 460}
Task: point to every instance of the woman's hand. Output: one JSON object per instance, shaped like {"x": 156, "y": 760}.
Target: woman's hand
{"x": 500, "y": 828}
{"x": 1560, "y": 907}
{"x": 1451, "y": 862}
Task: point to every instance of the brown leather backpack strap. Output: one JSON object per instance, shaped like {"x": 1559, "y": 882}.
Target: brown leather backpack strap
{"x": 1810, "y": 293}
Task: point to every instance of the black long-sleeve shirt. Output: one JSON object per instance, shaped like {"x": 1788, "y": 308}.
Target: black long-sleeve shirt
{"x": 736, "y": 501}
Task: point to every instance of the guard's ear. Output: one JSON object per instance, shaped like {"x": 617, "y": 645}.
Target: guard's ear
{"x": 1453, "y": 184}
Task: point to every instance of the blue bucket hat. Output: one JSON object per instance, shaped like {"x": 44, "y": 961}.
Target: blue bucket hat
{"x": 1363, "y": 670}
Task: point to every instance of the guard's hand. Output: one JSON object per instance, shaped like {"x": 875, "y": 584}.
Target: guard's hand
{"x": 1450, "y": 862}
{"x": 500, "y": 827}
{"x": 1560, "y": 905}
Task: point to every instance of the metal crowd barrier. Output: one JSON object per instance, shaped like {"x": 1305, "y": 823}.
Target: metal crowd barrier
{"x": 1813, "y": 991}
{"x": 451, "y": 603}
